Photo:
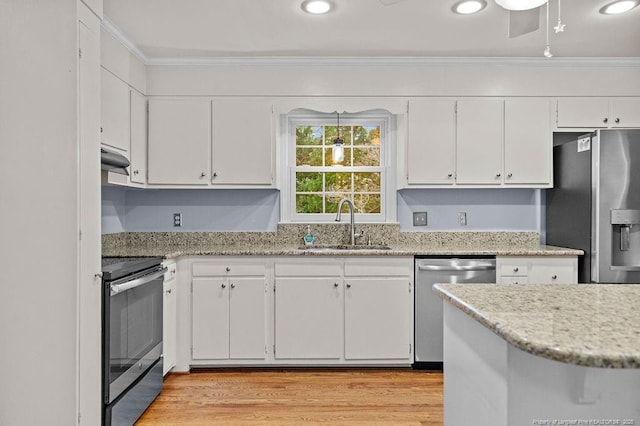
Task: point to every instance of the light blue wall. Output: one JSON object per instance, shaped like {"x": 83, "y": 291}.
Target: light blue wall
{"x": 131, "y": 210}
{"x": 202, "y": 210}
{"x": 487, "y": 209}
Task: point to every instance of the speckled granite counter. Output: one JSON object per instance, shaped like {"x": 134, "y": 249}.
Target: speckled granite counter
{"x": 288, "y": 238}
{"x": 588, "y": 324}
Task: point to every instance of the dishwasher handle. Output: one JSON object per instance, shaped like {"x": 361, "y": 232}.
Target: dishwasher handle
{"x": 478, "y": 267}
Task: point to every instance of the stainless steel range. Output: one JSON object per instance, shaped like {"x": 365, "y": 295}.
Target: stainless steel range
{"x": 131, "y": 337}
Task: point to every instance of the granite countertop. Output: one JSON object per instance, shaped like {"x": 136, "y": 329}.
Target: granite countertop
{"x": 593, "y": 325}
{"x": 287, "y": 240}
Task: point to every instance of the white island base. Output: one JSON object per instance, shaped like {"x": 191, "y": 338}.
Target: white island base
{"x": 488, "y": 381}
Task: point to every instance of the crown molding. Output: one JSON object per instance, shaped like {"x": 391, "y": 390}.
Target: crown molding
{"x": 112, "y": 29}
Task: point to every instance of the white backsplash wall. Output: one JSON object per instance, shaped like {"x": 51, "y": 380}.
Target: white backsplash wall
{"x": 218, "y": 210}
{"x": 202, "y": 210}
{"x": 487, "y": 209}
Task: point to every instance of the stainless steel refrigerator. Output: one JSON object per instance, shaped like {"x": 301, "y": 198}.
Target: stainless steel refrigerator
{"x": 595, "y": 204}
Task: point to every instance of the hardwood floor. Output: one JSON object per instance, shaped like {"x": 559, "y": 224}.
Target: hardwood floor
{"x": 299, "y": 397}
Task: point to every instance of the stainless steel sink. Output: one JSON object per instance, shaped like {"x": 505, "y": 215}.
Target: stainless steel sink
{"x": 343, "y": 247}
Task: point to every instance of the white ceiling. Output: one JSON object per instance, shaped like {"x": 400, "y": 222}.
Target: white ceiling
{"x": 363, "y": 28}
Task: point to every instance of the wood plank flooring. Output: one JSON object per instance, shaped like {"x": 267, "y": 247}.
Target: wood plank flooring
{"x": 299, "y": 397}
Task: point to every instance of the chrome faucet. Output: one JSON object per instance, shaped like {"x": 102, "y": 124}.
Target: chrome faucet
{"x": 351, "y": 218}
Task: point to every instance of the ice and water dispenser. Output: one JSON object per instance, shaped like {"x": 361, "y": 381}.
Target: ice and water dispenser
{"x": 625, "y": 238}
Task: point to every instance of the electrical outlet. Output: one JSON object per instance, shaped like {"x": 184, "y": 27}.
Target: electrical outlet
{"x": 420, "y": 219}
{"x": 177, "y": 219}
{"x": 462, "y": 218}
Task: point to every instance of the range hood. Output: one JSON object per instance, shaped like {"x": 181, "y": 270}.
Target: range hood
{"x": 114, "y": 162}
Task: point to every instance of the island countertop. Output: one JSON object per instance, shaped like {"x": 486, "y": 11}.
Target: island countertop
{"x": 593, "y": 325}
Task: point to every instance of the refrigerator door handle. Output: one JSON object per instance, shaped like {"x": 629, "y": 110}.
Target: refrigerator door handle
{"x": 624, "y": 237}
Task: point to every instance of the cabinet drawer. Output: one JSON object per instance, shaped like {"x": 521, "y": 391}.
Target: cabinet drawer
{"x": 519, "y": 279}
{"x": 513, "y": 267}
{"x": 200, "y": 269}
{"x": 316, "y": 268}
{"x": 386, "y": 267}
{"x": 554, "y": 274}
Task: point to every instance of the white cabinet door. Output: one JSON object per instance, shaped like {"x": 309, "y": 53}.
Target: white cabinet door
{"x": 553, "y": 270}
{"x": 247, "y": 318}
{"x": 138, "y": 169}
{"x": 242, "y": 143}
{"x": 114, "y": 102}
{"x": 625, "y": 112}
{"x": 210, "y": 318}
{"x": 431, "y": 142}
{"x": 378, "y": 318}
{"x": 308, "y": 320}
{"x": 527, "y": 142}
{"x": 583, "y": 112}
{"x": 169, "y": 318}
{"x": 479, "y": 142}
{"x": 179, "y": 141}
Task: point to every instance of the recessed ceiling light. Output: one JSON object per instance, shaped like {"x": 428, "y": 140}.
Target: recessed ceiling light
{"x": 468, "y": 7}
{"x": 316, "y": 7}
{"x": 520, "y": 4}
{"x": 619, "y": 7}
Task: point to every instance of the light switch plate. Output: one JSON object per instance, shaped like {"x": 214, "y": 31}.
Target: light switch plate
{"x": 420, "y": 219}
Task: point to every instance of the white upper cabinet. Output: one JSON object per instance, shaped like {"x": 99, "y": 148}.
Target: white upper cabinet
{"x": 179, "y": 141}
{"x": 625, "y": 112}
{"x": 432, "y": 140}
{"x": 479, "y": 142}
{"x": 598, "y": 112}
{"x": 242, "y": 143}
{"x": 114, "y": 111}
{"x": 138, "y": 159}
{"x": 527, "y": 142}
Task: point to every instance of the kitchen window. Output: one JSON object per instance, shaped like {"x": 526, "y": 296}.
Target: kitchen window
{"x": 317, "y": 183}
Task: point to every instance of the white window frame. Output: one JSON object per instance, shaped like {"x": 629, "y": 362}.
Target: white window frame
{"x": 381, "y": 118}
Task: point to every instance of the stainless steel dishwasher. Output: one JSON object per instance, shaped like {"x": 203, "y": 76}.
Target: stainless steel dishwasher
{"x": 428, "y": 306}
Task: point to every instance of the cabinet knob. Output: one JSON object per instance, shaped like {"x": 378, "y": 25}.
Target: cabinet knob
{"x": 227, "y": 269}
{"x": 498, "y": 175}
{"x": 223, "y": 286}
{"x": 516, "y": 269}
{"x": 335, "y": 284}
{"x": 510, "y": 175}
{"x": 617, "y": 120}
{"x": 605, "y": 120}
{"x": 450, "y": 175}
{"x": 98, "y": 275}
{"x": 101, "y": 130}
{"x": 348, "y": 285}
{"x": 233, "y": 285}
{"x": 553, "y": 277}
{"x": 168, "y": 291}
{"x": 135, "y": 172}
{"x": 215, "y": 174}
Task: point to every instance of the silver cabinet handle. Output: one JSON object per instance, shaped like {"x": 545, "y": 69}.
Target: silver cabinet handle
{"x": 233, "y": 285}
{"x": 203, "y": 174}
{"x": 215, "y": 175}
{"x": 553, "y": 277}
{"x": 168, "y": 291}
{"x": 515, "y": 269}
{"x": 98, "y": 275}
{"x": 510, "y": 175}
{"x": 348, "y": 285}
{"x": 498, "y": 175}
{"x": 227, "y": 269}
{"x": 335, "y": 284}
{"x": 617, "y": 120}
{"x": 450, "y": 175}
{"x": 135, "y": 172}
{"x": 605, "y": 120}
{"x": 223, "y": 286}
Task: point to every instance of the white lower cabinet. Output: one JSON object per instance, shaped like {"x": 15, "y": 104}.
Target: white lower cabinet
{"x": 228, "y": 311}
{"x": 537, "y": 270}
{"x": 169, "y": 317}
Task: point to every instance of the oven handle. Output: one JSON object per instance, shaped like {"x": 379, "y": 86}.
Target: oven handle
{"x": 119, "y": 288}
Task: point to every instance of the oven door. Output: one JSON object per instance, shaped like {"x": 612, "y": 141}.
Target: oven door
{"x": 132, "y": 329}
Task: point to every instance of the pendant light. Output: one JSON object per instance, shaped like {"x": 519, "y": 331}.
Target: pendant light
{"x": 547, "y": 50}
{"x": 338, "y": 146}
{"x": 520, "y": 4}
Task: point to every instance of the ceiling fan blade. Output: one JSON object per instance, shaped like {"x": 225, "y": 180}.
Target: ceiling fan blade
{"x": 522, "y": 22}
{"x": 390, "y": 2}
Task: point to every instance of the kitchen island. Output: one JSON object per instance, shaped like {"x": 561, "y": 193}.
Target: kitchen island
{"x": 541, "y": 354}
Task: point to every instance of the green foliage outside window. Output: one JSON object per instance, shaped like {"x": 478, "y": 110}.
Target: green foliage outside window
{"x": 320, "y": 191}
